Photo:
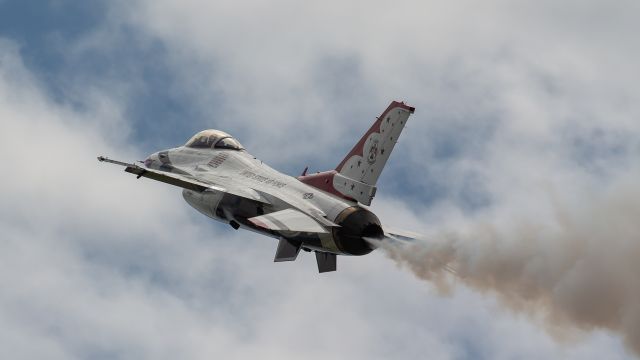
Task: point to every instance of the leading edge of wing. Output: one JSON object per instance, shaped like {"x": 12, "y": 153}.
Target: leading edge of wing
{"x": 183, "y": 181}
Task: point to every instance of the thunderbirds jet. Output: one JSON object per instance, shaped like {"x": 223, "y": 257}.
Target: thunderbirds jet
{"x": 321, "y": 212}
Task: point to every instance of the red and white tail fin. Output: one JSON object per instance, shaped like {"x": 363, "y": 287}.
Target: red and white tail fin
{"x": 360, "y": 169}
{"x": 368, "y": 157}
{"x": 356, "y": 176}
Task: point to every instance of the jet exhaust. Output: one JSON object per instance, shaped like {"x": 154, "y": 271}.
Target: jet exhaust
{"x": 356, "y": 224}
{"x": 579, "y": 272}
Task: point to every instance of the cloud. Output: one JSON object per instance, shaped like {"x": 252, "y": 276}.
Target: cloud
{"x": 474, "y": 74}
{"x": 514, "y": 102}
{"x": 97, "y": 264}
{"x": 518, "y": 105}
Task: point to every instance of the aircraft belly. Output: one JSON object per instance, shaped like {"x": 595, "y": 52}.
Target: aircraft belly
{"x": 280, "y": 192}
{"x": 226, "y": 208}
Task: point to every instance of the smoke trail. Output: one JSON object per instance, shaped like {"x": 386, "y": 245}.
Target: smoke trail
{"x": 582, "y": 271}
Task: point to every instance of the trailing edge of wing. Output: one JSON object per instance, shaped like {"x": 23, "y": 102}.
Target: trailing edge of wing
{"x": 288, "y": 220}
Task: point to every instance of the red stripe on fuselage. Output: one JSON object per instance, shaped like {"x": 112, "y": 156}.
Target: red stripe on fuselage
{"x": 259, "y": 223}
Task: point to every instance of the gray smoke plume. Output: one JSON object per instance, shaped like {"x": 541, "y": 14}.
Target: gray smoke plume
{"x": 580, "y": 271}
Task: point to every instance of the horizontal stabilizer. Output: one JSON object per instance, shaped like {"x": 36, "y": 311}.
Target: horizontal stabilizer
{"x": 288, "y": 220}
{"x": 402, "y": 235}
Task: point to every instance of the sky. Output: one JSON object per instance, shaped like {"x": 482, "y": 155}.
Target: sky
{"x": 524, "y": 109}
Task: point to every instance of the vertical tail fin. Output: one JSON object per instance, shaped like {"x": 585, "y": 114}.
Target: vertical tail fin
{"x": 368, "y": 157}
{"x": 356, "y": 176}
{"x": 360, "y": 169}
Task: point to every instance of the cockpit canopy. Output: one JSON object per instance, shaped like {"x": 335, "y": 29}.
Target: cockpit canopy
{"x": 213, "y": 139}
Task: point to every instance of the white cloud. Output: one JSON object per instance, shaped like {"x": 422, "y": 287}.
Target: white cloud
{"x": 98, "y": 264}
{"x": 518, "y": 104}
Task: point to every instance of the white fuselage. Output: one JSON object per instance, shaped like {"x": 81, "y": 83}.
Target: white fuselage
{"x": 253, "y": 189}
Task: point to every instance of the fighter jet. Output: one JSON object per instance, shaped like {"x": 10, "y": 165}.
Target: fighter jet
{"x": 322, "y": 212}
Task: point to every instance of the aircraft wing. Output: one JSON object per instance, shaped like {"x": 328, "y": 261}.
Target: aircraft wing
{"x": 288, "y": 220}
{"x": 184, "y": 181}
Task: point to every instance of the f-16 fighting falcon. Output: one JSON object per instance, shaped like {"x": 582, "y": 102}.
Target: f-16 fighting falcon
{"x": 320, "y": 212}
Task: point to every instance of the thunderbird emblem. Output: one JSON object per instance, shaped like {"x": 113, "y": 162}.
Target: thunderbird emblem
{"x": 373, "y": 152}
